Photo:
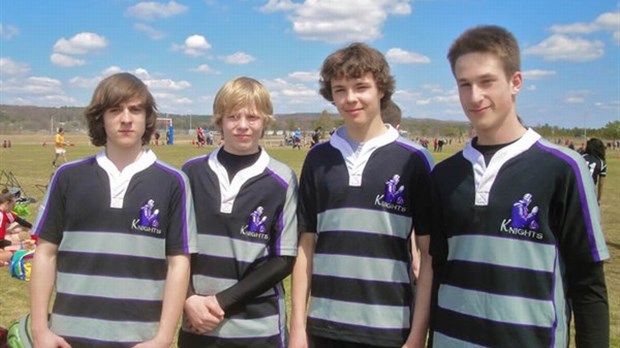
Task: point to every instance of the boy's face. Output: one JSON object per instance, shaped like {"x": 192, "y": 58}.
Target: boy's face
{"x": 487, "y": 96}
{"x": 358, "y": 100}
{"x": 125, "y": 124}
{"x": 242, "y": 129}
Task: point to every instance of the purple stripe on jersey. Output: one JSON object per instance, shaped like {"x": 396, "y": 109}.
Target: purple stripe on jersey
{"x": 184, "y": 199}
{"x": 582, "y": 195}
{"x": 52, "y": 186}
{"x": 278, "y": 178}
{"x": 427, "y": 163}
{"x": 196, "y": 159}
{"x": 284, "y": 184}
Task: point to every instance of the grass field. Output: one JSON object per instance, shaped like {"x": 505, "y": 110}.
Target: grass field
{"x": 31, "y": 165}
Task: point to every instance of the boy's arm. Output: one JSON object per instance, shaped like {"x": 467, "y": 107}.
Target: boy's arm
{"x": 175, "y": 290}
{"x": 421, "y": 313}
{"x": 42, "y": 282}
{"x": 588, "y": 294}
{"x": 300, "y": 289}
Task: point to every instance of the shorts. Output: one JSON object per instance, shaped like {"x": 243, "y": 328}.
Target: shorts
{"x": 61, "y": 151}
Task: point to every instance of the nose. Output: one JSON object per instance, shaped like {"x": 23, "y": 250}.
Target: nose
{"x": 125, "y": 115}
{"x": 350, "y": 96}
{"x": 477, "y": 94}
{"x": 242, "y": 122}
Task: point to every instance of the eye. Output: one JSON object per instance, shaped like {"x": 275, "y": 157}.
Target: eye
{"x": 253, "y": 118}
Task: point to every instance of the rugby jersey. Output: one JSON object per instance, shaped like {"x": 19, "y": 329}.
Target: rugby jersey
{"x": 241, "y": 223}
{"x": 363, "y": 205}
{"x": 114, "y": 231}
{"x": 502, "y": 235}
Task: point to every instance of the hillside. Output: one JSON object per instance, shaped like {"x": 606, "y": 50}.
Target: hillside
{"x": 28, "y": 119}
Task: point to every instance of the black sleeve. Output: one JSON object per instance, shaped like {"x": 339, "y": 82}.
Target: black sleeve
{"x": 23, "y": 222}
{"x": 256, "y": 281}
{"x": 588, "y": 293}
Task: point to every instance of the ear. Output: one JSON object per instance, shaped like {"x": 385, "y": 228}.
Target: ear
{"x": 516, "y": 82}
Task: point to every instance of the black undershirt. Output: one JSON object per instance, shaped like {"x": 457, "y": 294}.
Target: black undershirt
{"x": 261, "y": 278}
{"x": 586, "y": 286}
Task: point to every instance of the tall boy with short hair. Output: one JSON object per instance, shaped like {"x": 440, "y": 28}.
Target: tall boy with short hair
{"x": 115, "y": 234}
{"x": 517, "y": 242}
{"x": 361, "y": 194}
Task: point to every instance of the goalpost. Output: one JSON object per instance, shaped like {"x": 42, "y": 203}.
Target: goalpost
{"x": 164, "y": 132}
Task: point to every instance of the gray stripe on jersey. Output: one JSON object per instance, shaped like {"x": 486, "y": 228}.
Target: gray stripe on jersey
{"x": 502, "y": 252}
{"x": 587, "y": 194}
{"x": 110, "y": 287}
{"x": 505, "y": 309}
{"x": 113, "y": 243}
{"x": 287, "y": 221}
{"x": 441, "y": 340}
{"x": 376, "y": 316}
{"x": 219, "y": 246}
{"x": 365, "y": 268}
{"x": 206, "y": 285}
{"x": 248, "y": 328}
{"x": 104, "y": 330}
{"x": 364, "y": 221}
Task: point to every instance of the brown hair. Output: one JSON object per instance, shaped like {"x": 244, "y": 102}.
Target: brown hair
{"x": 391, "y": 114}
{"x": 354, "y": 61}
{"x": 488, "y": 39}
{"x": 112, "y": 91}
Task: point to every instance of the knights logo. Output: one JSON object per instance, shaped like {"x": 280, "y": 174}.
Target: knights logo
{"x": 392, "y": 197}
{"x": 256, "y": 225}
{"x": 149, "y": 218}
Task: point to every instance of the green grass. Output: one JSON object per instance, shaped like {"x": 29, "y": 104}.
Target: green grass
{"x": 31, "y": 164}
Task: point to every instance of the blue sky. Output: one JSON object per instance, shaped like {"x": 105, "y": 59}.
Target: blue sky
{"x": 53, "y": 53}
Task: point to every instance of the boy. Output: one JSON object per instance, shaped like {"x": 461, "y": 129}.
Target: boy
{"x": 120, "y": 271}
{"x": 59, "y": 146}
{"x": 517, "y": 242}
{"x": 360, "y": 195}
{"x": 246, "y": 203}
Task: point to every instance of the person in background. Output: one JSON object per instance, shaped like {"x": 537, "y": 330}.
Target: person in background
{"x": 115, "y": 233}
{"x": 594, "y": 155}
{"x": 517, "y": 244}
{"x": 60, "y": 147}
{"x": 392, "y": 114}
{"x": 361, "y": 194}
{"x": 246, "y": 205}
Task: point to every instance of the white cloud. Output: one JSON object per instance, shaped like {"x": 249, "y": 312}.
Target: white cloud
{"x": 398, "y": 55}
{"x": 65, "y": 61}
{"x": 339, "y": 21}
{"x": 153, "y": 33}
{"x": 616, "y": 37}
{"x": 8, "y": 32}
{"x": 83, "y": 82}
{"x": 195, "y": 45}
{"x": 152, "y": 10}
{"x": 32, "y": 85}
{"x": 608, "y": 21}
{"x": 238, "y": 58}
{"x": 531, "y": 88}
{"x": 168, "y": 84}
{"x": 538, "y": 74}
{"x": 304, "y": 76}
{"x": 81, "y": 43}
{"x": 562, "y": 47}
{"x": 206, "y": 69}
{"x": 284, "y": 93}
{"x": 574, "y": 100}
{"x": 10, "y": 67}
{"x": 111, "y": 70}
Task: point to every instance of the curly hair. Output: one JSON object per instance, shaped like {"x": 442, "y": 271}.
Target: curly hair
{"x": 111, "y": 92}
{"x": 355, "y": 61}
